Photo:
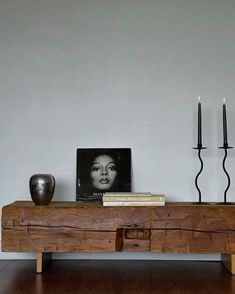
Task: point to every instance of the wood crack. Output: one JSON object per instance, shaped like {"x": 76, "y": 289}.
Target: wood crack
{"x": 134, "y": 228}
{"x": 66, "y": 227}
{"x": 192, "y": 230}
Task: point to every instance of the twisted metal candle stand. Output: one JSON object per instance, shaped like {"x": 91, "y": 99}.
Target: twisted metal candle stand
{"x": 199, "y": 148}
{"x": 225, "y": 147}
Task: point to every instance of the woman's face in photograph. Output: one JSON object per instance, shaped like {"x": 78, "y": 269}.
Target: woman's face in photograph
{"x": 103, "y": 172}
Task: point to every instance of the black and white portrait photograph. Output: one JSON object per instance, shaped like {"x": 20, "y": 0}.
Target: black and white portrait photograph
{"x": 100, "y": 170}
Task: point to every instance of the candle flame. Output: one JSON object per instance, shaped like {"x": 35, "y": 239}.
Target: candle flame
{"x": 224, "y": 100}
{"x": 199, "y": 99}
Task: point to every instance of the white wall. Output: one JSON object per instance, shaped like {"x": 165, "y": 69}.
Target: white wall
{"x": 116, "y": 73}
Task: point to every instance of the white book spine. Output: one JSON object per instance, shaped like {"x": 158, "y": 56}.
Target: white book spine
{"x": 127, "y": 194}
{"x": 134, "y": 198}
{"x": 132, "y": 203}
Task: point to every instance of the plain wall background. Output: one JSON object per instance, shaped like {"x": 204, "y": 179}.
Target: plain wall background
{"x": 116, "y": 73}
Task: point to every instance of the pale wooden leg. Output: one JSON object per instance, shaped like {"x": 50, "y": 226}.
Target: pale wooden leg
{"x": 42, "y": 259}
{"x": 228, "y": 261}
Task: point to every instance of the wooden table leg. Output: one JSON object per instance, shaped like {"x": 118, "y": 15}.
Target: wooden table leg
{"x": 42, "y": 259}
{"x": 228, "y": 261}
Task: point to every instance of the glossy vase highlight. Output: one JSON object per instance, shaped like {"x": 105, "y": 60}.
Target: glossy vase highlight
{"x": 42, "y": 187}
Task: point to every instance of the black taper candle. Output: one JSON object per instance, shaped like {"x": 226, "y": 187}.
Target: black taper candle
{"x": 225, "y": 124}
{"x": 199, "y": 123}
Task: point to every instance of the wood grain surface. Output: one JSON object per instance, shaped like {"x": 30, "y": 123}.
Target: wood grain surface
{"x": 90, "y": 227}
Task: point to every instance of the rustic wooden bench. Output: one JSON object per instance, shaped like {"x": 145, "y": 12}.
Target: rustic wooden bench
{"x": 90, "y": 227}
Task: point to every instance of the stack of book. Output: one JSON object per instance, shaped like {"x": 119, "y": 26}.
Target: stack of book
{"x": 132, "y": 199}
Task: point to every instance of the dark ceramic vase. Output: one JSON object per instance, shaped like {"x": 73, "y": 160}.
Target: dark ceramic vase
{"x": 42, "y": 187}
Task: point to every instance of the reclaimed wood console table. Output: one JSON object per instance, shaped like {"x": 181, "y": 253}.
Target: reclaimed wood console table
{"x": 90, "y": 227}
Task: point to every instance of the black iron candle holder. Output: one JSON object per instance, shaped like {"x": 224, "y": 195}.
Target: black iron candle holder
{"x": 225, "y": 147}
{"x": 199, "y": 148}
